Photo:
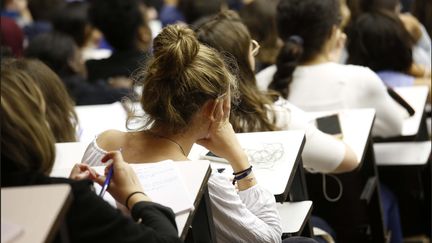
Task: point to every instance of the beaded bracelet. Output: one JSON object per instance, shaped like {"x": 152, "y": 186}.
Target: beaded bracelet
{"x": 241, "y": 174}
{"x": 130, "y": 195}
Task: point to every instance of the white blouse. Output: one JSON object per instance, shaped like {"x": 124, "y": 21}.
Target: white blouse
{"x": 322, "y": 152}
{"x": 330, "y": 86}
{"x": 239, "y": 216}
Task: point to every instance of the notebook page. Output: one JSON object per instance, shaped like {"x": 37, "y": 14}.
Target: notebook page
{"x": 162, "y": 182}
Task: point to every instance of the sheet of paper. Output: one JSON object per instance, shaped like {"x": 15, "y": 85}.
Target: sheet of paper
{"x": 10, "y": 231}
{"x": 162, "y": 182}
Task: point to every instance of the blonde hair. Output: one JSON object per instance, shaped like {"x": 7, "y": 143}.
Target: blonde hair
{"x": 27, "y": 142}
{"x": 60, "y": 111}
{"x": 181, "y": 76}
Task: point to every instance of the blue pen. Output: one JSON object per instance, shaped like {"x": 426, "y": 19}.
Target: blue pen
{"x": 107, "y": 180}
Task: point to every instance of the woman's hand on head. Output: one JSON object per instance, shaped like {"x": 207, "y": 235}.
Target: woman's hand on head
{"x": 83, "y": 171}
{"x": 221, "y": 138}
{"x": 124, "y": 181}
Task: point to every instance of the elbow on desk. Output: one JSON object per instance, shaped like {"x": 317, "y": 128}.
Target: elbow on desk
{"x": 349, "y": 163}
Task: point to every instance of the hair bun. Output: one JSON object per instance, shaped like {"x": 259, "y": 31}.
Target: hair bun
{"x": 175, "y": 48}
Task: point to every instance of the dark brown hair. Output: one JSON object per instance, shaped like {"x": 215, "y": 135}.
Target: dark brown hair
{"x": 379, "y": 40}
{"x": 304, "y": 26}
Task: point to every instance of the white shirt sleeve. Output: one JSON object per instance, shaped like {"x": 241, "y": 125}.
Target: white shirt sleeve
{"x": 93, "y": 154}
{"x": 322, "y": 152}
{"x": 389, "y": 114}
{"x": 245, "y": 216}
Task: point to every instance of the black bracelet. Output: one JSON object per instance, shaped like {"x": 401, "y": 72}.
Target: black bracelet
{"x": 243, "y": 171}
{"x": 242, "y": 174}
{"x": 130, "y": 195}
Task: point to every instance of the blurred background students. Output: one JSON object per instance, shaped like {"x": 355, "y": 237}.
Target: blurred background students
{"x": 72, "y": 19}
{"x": 125, "y": 27}
{"x": 379, "y": 40}
{"x": 61, "y": 54}
{"x": 306, "y": 61}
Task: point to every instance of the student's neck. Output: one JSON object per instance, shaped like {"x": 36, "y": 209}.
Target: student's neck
{"x": 319, "y": 59}
{"x": 181, "y": 142}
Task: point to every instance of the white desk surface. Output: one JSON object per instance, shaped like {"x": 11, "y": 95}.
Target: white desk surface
{"x": 416, "y": 96}
{"x": 194, "y": 173}
{"x": 276, "y": 177}
{"x": 356, "y": 125}
{"x": 94, "y": 119}
{"x": 402, "y": 153}
{"x": 68, "y": 154}
{"x": 293, "y": 215}
{"x": 39, "y": 210}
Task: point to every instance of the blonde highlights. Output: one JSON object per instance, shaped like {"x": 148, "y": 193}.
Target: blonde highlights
{"x": 60, "y": 111}
{"x": 180, "y": 77}
{"x": 27, "y": 142}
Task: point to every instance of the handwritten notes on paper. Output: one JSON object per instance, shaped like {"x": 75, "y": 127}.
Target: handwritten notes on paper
{"x": 162, "y": 182}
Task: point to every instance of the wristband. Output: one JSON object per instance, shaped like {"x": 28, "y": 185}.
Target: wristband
{"x": 243, "y": 171}
{"x": 130, "y": 195}
{"x": 242, "y": 174}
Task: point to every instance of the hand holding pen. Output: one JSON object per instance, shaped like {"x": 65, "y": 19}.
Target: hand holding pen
{"x": 107, "y": 179}
{"x": 123, "y": 182}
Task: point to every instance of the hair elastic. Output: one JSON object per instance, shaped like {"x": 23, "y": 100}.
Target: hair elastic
{"x": 296, "y": 39}
{"x": 130, "y": 195}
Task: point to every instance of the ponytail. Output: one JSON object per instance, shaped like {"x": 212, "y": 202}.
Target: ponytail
{"x": 286, "y": 62}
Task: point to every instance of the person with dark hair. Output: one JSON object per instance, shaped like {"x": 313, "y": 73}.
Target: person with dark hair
{"x": 124, "y": 25}
{"x": 422, "y": 47}
{"x": 422, "y": 10}
{"x": 255, "y": 111}
{"x": 305, "y": 61}
{"x": 379, "y": 40}
{"x": 188, "y": 11}
{"x": 27, "y": 158}
{"x": 73, "y": 20}
{"x": 186, "y": 97}
{"x": 60, "y": 53}
{"x": 306, "y": 75}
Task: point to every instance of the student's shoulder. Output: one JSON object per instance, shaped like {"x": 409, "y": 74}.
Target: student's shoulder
{"x": 363, "y": 75}
{"x": 111, "y": 139}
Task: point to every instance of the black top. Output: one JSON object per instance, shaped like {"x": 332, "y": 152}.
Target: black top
{"x": 91, "y": 219}
{"x": 120, "y": 63}
{"x": 97, "y": 92}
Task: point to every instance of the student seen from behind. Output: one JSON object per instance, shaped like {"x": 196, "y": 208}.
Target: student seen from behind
{"x": 27, "y": 157}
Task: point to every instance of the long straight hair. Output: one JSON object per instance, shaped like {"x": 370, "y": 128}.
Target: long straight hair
{"x": 26, "y": 141}
{"x": 60, "y": 111}
{"x": 227, "y": 34}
